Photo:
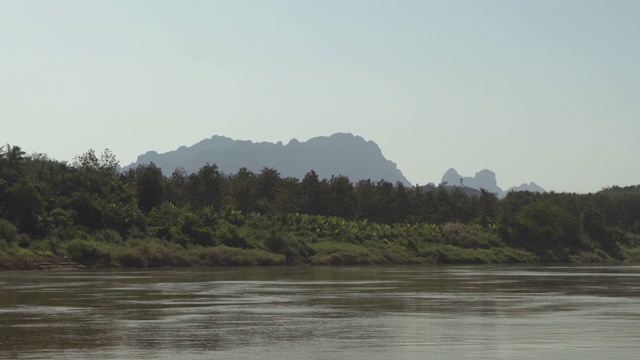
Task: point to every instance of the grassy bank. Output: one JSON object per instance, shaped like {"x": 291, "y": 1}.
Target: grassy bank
{"x": 297, "y": 239}
{"x": 92, "y": 213}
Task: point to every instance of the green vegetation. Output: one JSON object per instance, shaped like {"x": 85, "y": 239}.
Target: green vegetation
{"x": 91, "y": 213}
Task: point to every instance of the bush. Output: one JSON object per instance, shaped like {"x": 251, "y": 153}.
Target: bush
{"x": 89, "y": 252}
{"x": 395, "y": 254}
{"x": 229, "y": 235}
{"x": 338, "y": 253}
{"x": 631, "y": 254}
{"x": 449, "y": 254}
{"x": 5, "y": 260}
{"x": 161, "y": 254}
{"x": 132, "y": 258}
{"x": 295, "y": 250}
{"x": 8, "y": 232}
{"x": 428, "y": 233}
{"x": 152, "y": 253}
{"x": 43, "y": 247}
{"x": 225, "y": 256}
{"x": 584, "y": 257}
{"x": 470, "y": 236}
{"x": 108, "y": 236}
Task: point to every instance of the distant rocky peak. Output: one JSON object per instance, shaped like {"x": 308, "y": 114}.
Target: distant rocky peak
{"x": 484, "y": 179}
{"x": 337, "y": 154}
{"x": 486, "y": 176}
{"x": 533, "y": 187}
{"x": 451, "y": 177}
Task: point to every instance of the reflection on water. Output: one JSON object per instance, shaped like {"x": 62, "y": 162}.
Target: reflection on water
{"x": 448, "y": 312}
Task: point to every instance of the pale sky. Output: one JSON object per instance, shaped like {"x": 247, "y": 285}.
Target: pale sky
{"x": 544, "y": 91}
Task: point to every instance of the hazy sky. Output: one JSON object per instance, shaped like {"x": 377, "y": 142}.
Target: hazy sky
{"x": 544, "y": 91}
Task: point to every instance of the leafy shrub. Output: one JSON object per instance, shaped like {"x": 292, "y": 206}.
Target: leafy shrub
{"x": 204, "y": 236}
{"x": 288, "y": 245}
{"x": 43, "y": 247}
{"x": 229, "y": 235}
{"x": 430, "y": 233}
{"x": 469, "y": 236}
{"x": 163, "y": 218}
{"x": 338, "y": 253}
{"x": 588, "y": 257}
{"x": 395, "y": 254}
{"x": 130, "y": 257}
{"x": 89, "y": 252}
{"x": 6, "y": 261}
{"x": 224, "y": 256}
{"x": 107, "y": 236}
{"x": 159, "y": 254}
{"x": 8, "y": 232}
{"x": 449, "y": 254}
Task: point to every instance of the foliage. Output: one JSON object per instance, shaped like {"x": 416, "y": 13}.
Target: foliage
{"x": 470, "y": 236}
{"x": 89, "y": 252}
{"x": 98, "y": 216}
{"x": 332, "y": 253}
{"x": 151, "y": 253}
{"x": 8, "y": 232}
{"x": 225, "y": 256}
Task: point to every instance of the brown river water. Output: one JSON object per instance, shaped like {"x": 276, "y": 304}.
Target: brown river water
{"x": 307, "y": 312}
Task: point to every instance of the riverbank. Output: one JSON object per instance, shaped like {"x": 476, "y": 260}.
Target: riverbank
{"x": 155, "y": 253}
{"x": 94, "y": 215}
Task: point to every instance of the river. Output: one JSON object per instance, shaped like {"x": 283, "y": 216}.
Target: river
{"x": 307, "y": 312}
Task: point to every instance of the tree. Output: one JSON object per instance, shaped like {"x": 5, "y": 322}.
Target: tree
{"x": 25, "y": 205}
{"x": 107, "y": 162}
{"x": 87, "y": 160}
{"x": 401, "y": 207}
{"x": 289, "y": 196}
{"x": 595, "y": 227}
{"x": 88, "y": 210}
{"x": 209, "y": 185}
{"x": 242, "y": 190}
{"x": 367, "y": 197}
{"x": 150, "y": 186}
{"x": 12, "y": 163}
{"x": 417, "y": 205}
{"x": 267, "y": 186}
{"x": 445, "y": 207}
{"x": 544, "y": 229}
{"x": 463, "y": 206}
{"x": 314, "y": 193}
{"x": 175, "y": 187}
{"x": 385, "y": 195}
{"x": 487, "y": 203}
{"x": 343, "y": 197}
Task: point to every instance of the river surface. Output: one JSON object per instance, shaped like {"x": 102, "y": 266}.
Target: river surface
{"x": 417, "y": 312}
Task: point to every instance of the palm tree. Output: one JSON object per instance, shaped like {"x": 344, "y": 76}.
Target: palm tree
{"x": 2, "y": 159}
{"x": 12, "y": 160}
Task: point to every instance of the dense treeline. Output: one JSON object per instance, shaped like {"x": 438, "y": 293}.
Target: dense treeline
{"x": 91, "y": 212}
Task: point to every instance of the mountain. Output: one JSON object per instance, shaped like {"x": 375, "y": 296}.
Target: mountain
{"x": 533, "y": 187}
{"x": 484, "y": 179}
{"x": 465, "y": 189}
{"x": 338, "y": 154}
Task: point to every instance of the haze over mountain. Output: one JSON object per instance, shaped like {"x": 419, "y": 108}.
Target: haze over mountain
{"x": 484, "y": 179}
{"x": 338, "y": 154}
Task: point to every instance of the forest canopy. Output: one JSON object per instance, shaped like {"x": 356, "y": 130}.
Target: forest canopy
{"x": 91, "y": 212}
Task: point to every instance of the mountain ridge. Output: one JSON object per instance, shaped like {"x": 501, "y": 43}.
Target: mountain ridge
{"x": 485, "y": 179}
{"x": 334, "y": 155}
{"x": 337, "y": 154}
